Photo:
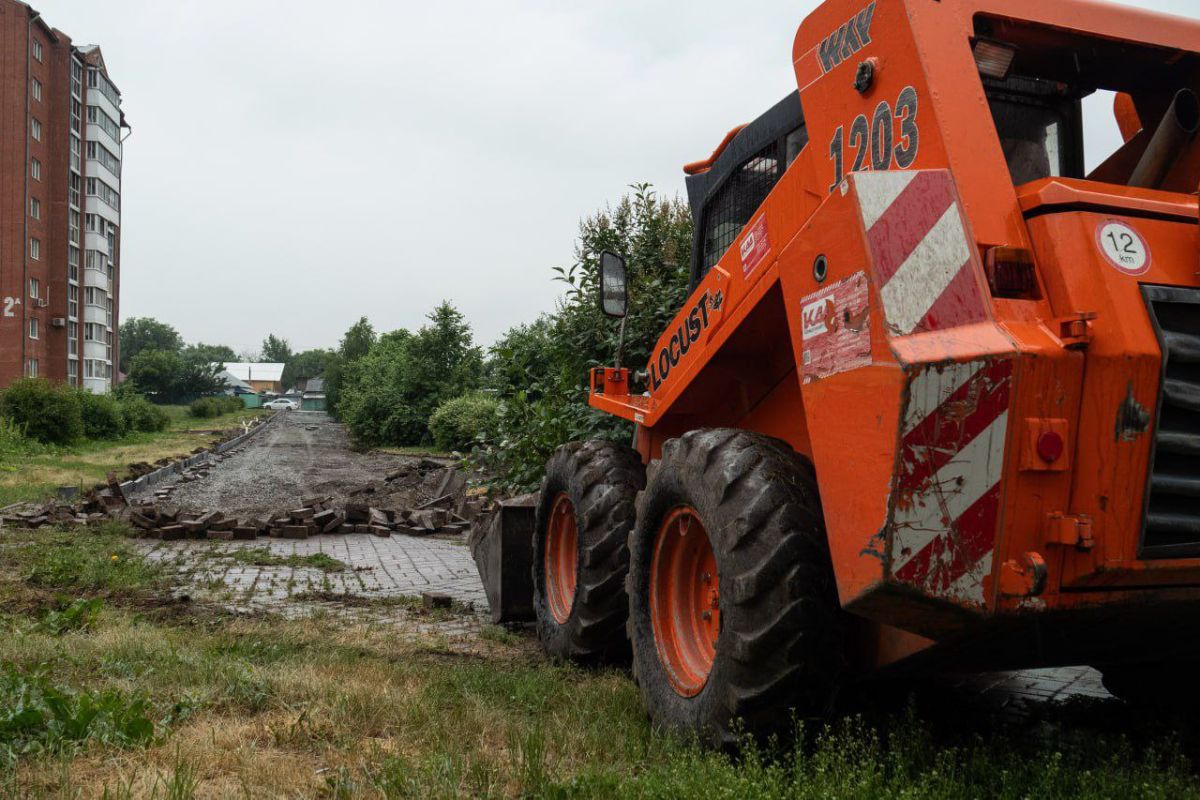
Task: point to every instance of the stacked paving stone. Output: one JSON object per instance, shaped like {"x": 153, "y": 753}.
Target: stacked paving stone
{"x": 449, "y": 510}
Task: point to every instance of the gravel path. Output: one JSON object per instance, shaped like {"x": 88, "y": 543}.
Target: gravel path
{"x": 302, "y": 454}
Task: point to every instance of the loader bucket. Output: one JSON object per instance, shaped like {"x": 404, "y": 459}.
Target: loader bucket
{"x": 502, "y": 546}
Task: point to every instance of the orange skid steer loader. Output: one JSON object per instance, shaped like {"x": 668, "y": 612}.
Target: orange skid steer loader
{"x": 934, "y": 400}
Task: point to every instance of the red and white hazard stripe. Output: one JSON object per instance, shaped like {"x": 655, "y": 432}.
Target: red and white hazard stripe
{"x": 948, "y": 489}
{"x": 925, "y": 266}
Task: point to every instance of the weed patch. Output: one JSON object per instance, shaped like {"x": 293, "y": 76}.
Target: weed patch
{"x": 263, "y": 557}
{"x": 37, "y": 716}
{"x": 99, "y": 561}
{"x": 79, "y": 615}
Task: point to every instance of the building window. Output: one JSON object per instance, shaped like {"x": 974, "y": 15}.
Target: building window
{"x": 98, "y": 152}
{"x": 35, "y": 169}
{"x": 36, "y": 89}
{"x": 93, "y": 296}
{"x": 107, "y": 194}
{"x": 35, "y": 208}
{"x": 73, "y": 224}
{"x": 35, "y": 129}
{"x": 95, "y": 369}
{"x": 31, "y": 368}
{"x": 96, "y": 80}
{"x": 74, "y": 184}
{"x": 35, "y": 249}
{"x": 35, "y": 288}
{"x": 73, "y": 305}
{"x": 97, "y": 116}
{"x": 33, "y": 328}
{"x": 73, "y": 369}
{"x": 93, "y": 332}
{"x": 94, "y": 259}
{"x": 37, "y": 51}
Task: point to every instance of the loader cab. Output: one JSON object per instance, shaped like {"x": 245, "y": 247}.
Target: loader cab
{"x": 726, "y": 189}
{"x": 1035, "y": 78}
{"x": 1039, "y": 123}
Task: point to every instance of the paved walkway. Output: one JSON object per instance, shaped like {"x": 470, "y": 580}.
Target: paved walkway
{"x": 369, "y": 575}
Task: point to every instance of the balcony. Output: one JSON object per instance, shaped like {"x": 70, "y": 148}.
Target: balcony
{"x": 96, "y": 277}
{"x": 95, "y": 314}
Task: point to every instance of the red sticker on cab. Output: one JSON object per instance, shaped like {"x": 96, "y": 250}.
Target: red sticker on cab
{"x": 836, "y": 328}
{"x": 755, "y": 246}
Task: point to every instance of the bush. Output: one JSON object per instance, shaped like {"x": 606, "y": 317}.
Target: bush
{"x": 46, "y": 412}
{"x": 207, "y": 407}
{"x": 202, "y": 408}
{"x": 102, "y": 417}
{"x": 457, "y": 423}
{"x": 142, "y": 415}
{"x": 12, "y": 441}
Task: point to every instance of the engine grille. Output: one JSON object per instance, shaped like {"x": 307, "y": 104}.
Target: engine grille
{"x": 1172, "y": 526}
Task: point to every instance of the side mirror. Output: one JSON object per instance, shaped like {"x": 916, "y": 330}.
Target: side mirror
{"x": 614, "y": 295}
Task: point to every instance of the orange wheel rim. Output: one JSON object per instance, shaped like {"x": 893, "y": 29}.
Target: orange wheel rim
{"x": 685, "y": 609}
{"x": 562, "y": 558}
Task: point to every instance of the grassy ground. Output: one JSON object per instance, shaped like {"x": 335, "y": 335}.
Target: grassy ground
{"x": 110, "y": 688}
{"x": 33, "y": 477}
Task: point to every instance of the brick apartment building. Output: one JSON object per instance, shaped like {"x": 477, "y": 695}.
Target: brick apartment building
{"x": 61, "y": 133}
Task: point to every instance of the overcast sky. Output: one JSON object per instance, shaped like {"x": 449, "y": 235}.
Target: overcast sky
{"x": 296, "y": 165}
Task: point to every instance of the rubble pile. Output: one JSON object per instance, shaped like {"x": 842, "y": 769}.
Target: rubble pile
{"x": 442, "y": 503}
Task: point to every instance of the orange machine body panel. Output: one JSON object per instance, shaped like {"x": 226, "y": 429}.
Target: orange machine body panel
{"x": 984, "y": 462}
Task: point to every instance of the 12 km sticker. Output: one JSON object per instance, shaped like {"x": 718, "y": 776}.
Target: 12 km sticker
{"x": 1124, "y": 247}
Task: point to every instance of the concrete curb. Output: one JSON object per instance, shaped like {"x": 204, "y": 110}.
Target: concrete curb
{"x": 151, "y": 479}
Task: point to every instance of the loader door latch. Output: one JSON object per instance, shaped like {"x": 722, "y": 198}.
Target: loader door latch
{"x": 1070, "y": 530}
{"x": 1075, "y": 331}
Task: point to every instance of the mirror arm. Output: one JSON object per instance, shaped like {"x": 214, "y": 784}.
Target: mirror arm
{"x": 620, "y": 342}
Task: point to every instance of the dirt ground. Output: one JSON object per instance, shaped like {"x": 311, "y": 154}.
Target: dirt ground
{"x": 302, "y": 454}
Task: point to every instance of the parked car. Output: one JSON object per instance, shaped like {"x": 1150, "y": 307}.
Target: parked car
{"x": 281, "y": 404}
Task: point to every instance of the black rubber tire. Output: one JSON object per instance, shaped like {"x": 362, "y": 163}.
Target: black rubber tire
{"x": 602, "y": 479}
{"x": 1163, "y": 687}
{"x": 779, "y": 653}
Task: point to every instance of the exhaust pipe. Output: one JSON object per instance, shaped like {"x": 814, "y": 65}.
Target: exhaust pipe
{"x": 1174, "y": 133}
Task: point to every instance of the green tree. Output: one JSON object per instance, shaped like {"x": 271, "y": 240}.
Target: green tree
{"x": 154, "y": 372}
{"x": 197, "y": 376}
{"x": 145, "y": 333}
{"x": 276, "y": 349}
{"x": 306, "y": 364}
{"x": 354, "y": 345}
{"x": 388, "y": 395}
{"x": 212, "y": 353}
{"x": 445, "y": 360}
{"x": 540, "y": 371}
{"x": 167, "y": 377}
{"x": 358, "y": 340}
